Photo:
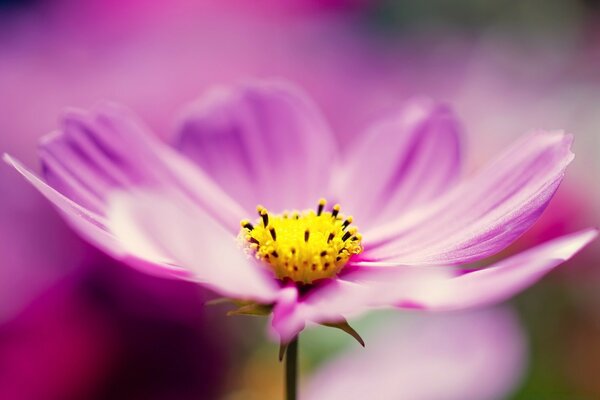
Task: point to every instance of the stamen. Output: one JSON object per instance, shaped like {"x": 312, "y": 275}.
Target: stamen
{"x": 264, "y": 215}
{"x": 347, "y": 222}
{"x": 321, "y": 206}
{"x": 246, "y": 224}
{"x": 349, "y": 233}
{"x": 303, "y": 247}
{"x": 335, "y": 211}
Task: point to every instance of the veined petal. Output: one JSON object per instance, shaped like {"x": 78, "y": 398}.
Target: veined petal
{"x": 402, "y": 162}
{"x": 92, "y": 226}
{"x": 481, "y": 216}
{"x": 109, "y": 149}
{"x": 479, "y": 355}
{"x": 506, "y": 278}
{"x": 165, "y": 227}
{"x": 430, "y": 288}
{"x": 263, "y": 143}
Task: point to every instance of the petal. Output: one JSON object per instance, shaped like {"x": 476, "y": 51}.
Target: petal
{"x": 478, "y": 355}
{"x": 355, "y": 293}
{"x": 404, "y": 161}
{"x": 284, "y": 328}
{"x": 431, "y": 288}
{"x": 506, "y": 278}
{"x": 481, "y": 216}
{"x": 91, "y": 226}
{"x": 263, "y": 143}
{"x": 164, "y": 227}
{"x": 108, "y": 149}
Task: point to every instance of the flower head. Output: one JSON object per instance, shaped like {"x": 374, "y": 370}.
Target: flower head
{"x": 176, "y": 210}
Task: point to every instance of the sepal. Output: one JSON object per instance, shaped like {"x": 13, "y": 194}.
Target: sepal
{"x": 345, "y": 326}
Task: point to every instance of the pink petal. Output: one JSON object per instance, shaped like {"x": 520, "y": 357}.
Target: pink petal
{"x": 481, "y": 216}
{"x": 402, "y": 162}
{"x": 506, "y": 278}
{"x": 91, "y": 226}
{"x": 166, "y": 228}
{"x": 108, "y": 149}
{"x": 284, "y": 328}
{"x": 478, "y": 355}
{"x": 430, "y": 288}
{"x": 355, "y": 293}
{"x": 263, "y": 143}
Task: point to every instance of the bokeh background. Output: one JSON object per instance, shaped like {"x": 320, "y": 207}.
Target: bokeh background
{"x": 77, "y": 325}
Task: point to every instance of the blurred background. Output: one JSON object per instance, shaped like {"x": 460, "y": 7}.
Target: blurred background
{"x": 76, "y": 325}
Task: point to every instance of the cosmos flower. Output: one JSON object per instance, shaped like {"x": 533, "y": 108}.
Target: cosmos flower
{"x": 264, "y": 148}
{"x": 476, "y": 355}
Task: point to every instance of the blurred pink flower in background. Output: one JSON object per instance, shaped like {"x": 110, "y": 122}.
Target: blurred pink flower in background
{"x": 145, "y": 203}
{"x": 67, "y": 361}
{"x": 108, "y": 332}
{"x": 480, "y": 355}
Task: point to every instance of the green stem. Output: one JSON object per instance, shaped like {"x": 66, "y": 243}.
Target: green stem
{"x": 291, "y": 370}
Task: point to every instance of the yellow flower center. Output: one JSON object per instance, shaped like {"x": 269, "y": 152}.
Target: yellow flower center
{"x": 303, "y": 247}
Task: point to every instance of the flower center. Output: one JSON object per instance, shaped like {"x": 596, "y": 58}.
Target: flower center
{"x": 302, "y": 246}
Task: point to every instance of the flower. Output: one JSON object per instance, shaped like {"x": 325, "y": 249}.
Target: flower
{"x": 176, "y": 211}
{"x": 477, "y": 355}
{"x": 106, "y": 332}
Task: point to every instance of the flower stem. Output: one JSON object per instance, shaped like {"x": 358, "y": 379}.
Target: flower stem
{"x": 291, "y": 370}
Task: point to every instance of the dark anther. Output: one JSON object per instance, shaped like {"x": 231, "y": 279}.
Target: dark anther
{"x": 248, "y": 226}
{"x": 273, "y": 234}
{"x": 338, "y": 258}
{"x": 293, "y": 250}
{"x": 265, "y": 218}
{"x": 320, "y": 208}
{"x": 253, "y": 240}
{"x": 326, "y": 265}
{"x": 346, "y": 236}
{"x": 323, "y": 253}
{"x": 274, "y": 254}
{"x": 295, "y": 268}
{"x": 306, "y": 235}
{"x": 335, "y": 212}
{"x": 345, "y": 224}
{"x": 331, "y": 236}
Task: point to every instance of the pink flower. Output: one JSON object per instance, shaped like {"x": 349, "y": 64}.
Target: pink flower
{"x": 176, "y": 211}
{"x": 480, "y": 355}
